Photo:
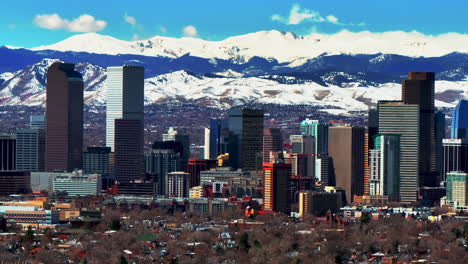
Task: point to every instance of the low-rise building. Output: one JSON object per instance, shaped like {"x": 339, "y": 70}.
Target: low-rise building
{"x": 205, "y": 206}
{"x": 25, "y": 216}
{"x": 77, "y": 184}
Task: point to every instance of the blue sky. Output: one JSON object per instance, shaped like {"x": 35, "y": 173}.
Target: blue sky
{"x": 30, "y": 23}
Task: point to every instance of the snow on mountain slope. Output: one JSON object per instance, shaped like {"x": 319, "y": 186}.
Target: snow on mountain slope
{"x": 282, "y": 46}
{"x": 27, "y": 87}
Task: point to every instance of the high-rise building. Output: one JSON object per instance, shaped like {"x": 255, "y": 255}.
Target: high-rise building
{"x": 303, "y": 164}
{"x": 177, "y": 184}
{"x": 276, "y": 185}
{"x": 346, "y": 147}
{"x": 64, "y": 118}
{"x": 206, "y": 147}
{"x": 455, "y": 156}
{"x": 440, "y": 135}
{"x": 247, "y": 125}
{"x": 398, "y": 118}
{"x": 372, "y": 126}
{"x": 385, "y": 166}
{"x": 96, "y": 160}
{"x": 460, "y": 120}
{"x": 419, "y": 89}
{"x": 128, "y": 152}
{"x": 195, "y": 166}
{"x": 125, "y": 98}
{"x": 457, "y": 188}
{"x": 30, "y": 149}
{"x": 184, "y": 141}
{"x": 272, "y": 141}
{"x": 170, "y": 135}
{"x": 217, "y": 142}
{"x": 319, "y": 203}
{"x": 36, "y": 121}
{"x": 324, "y": 172}
{"x": 319, "y": 131}
{"x": 366, "y": 165}
{"x": 7, "y": 152}
{"x": 159, "y": 163}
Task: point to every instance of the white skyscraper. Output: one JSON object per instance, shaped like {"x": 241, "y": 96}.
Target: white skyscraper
{"x": 207, "y": 143}
{"x": 125, "y": 97}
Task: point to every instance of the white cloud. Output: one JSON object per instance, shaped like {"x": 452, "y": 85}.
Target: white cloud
{"x": 298, "y": 15}
{"x": 332, "y": 19}
{"x": 163, "y": 29}
{"x": 129, "y": 19}
{"x": 83, "y": 23}
{"x": 190, "y": 31}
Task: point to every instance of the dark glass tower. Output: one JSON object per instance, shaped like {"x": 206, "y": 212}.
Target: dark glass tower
{"x": 64, "y": 118}
{"x": 419, "y": 89}
{"x": 460, "y": 120}
{"x": 247, "y": 125}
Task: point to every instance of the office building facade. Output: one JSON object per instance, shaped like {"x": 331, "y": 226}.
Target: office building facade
{"x": 159, "y": 163}
{"x": 96, "y": 160}
{"x": 346, "y": 147}
{"x": 459, "y": 125}
{"x": 7, "y": 152}
{"x": 419, "y": 89}
{"x": 276, "y": 185}
{"x": 14, "y": 182}
{"x": 177, "y": 184}
{"x": 457, "y": 188}
{"x": 385, "y": 166}
{"x": 398, "y": 118}
{"x": 30, "y": 149}
{"x": 455, "y": 156}
{"x": 128, "y": 153}
{"x": 64, "y": 118}
{"x": 125, "y": 99}
{"x": 195, "y": 167}
{"x": 247, "y": 125}
{"x": 77, "y": 184}
{"x": 319, "y": 132}
{"x": 272, "y": 141}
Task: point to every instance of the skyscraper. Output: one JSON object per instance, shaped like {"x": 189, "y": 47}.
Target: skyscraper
{"x": 30, "y": 149}
{"x": 128, "y": 150}
{"x": 398, "y": 118}
{"x": 36, "y": 121}
{"x": 7, "y": 152}
{"x": 439, "y": 123}
{"x": 195, "y": 166}
{"x": 385, "y": 166}
{"x": 159, "y": 163}
{"x": 217, "y": 144}
{"x": 455, "y": 156}
{"x": 272, "y": 141}
{"x": 276, "y": 185}
{"x": 125, "y": 98}
{"x": 177, "y": 184}
{"x": 319, "y": 131}
{"x": 419, "y": 89}
{"x": 346, "y": 147}
{"x": 64, "y": 118}
{"x": 96, "y": 160}
{"x": 460, "y": 120}
{"x": 184, "y": 141}
{"x": 247, "y": 125}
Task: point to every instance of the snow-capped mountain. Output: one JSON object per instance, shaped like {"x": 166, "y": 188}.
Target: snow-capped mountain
{"x": 285, "y": 47}
{"x": 27, "y": 87}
